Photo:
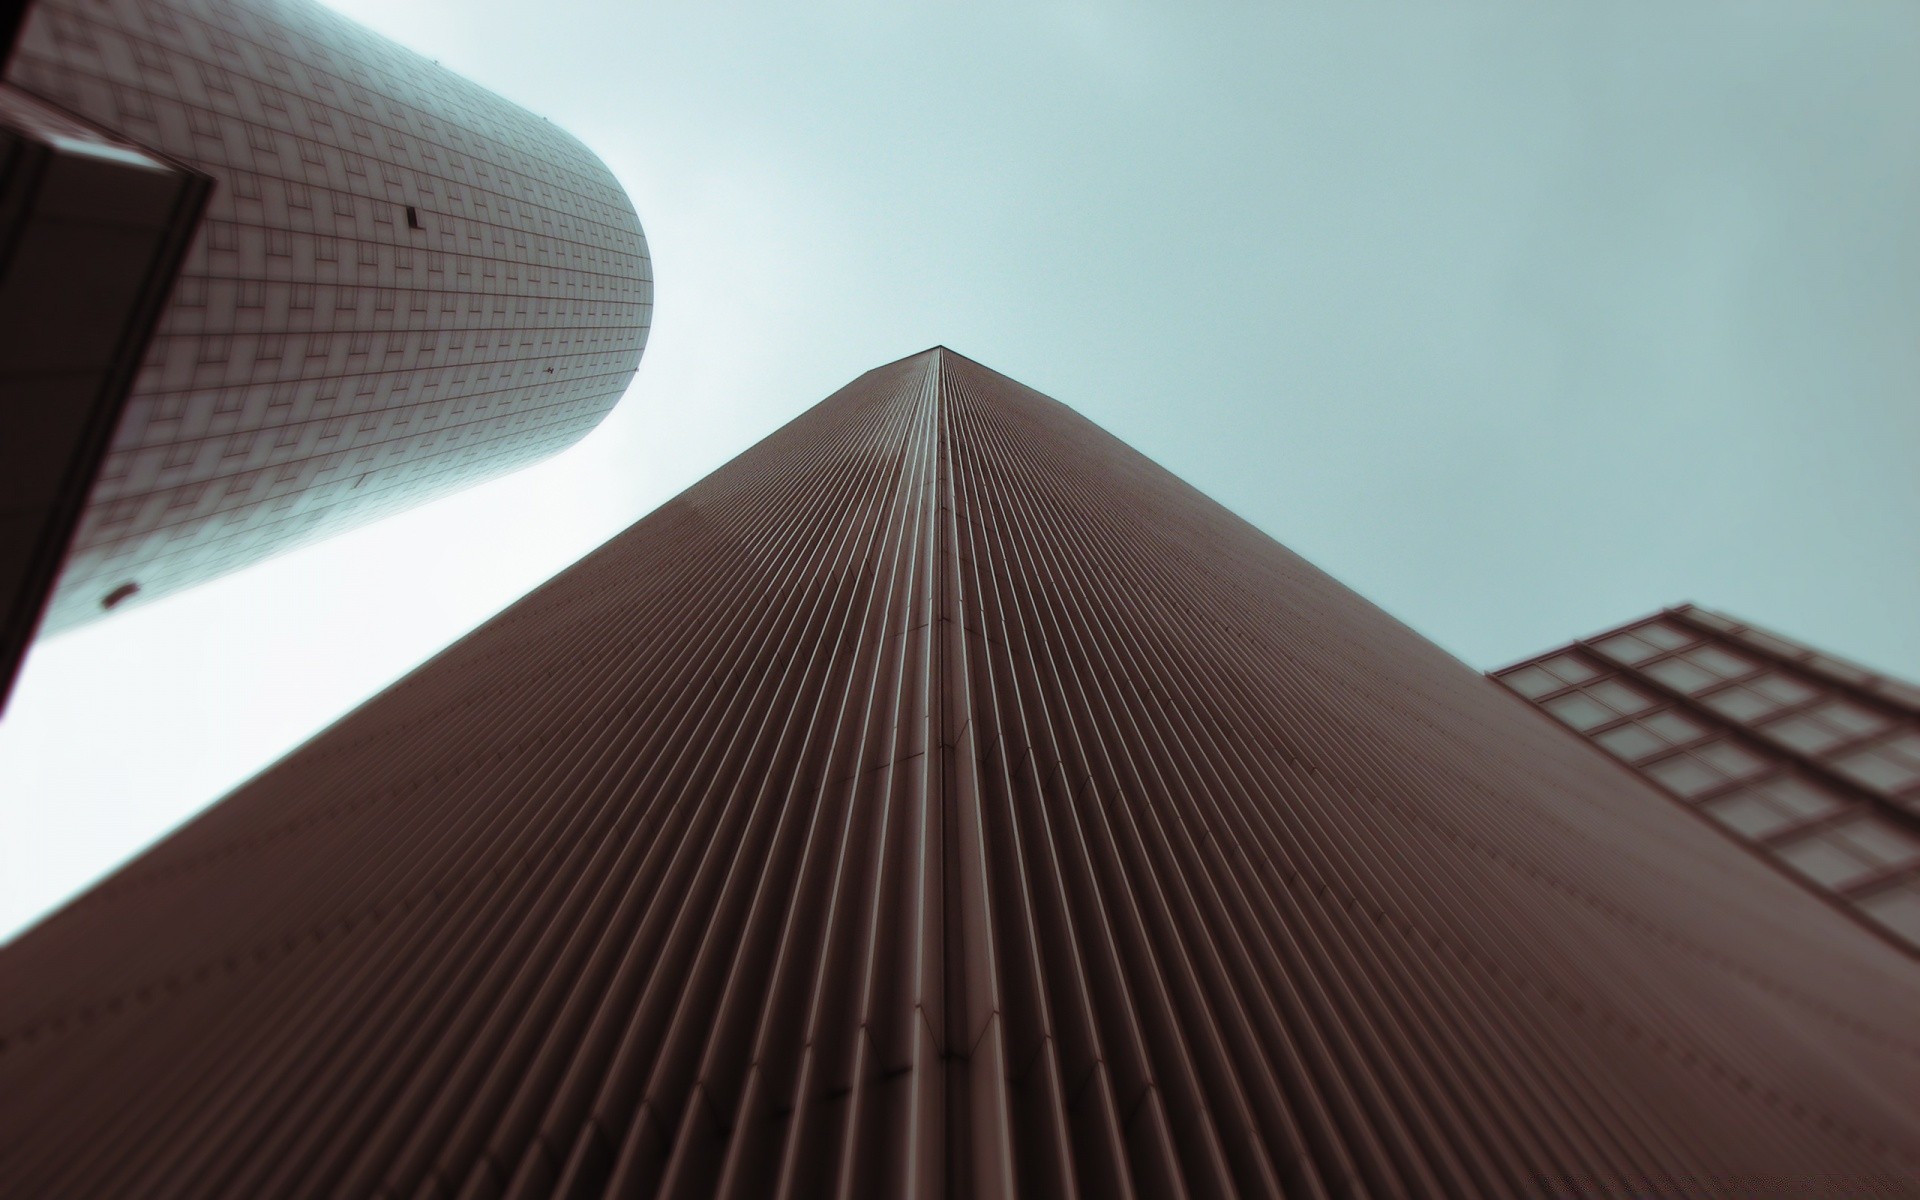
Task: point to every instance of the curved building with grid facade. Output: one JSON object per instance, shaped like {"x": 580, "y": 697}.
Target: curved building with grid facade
{"x": 941, "y": 799}
{"x": 401, "y": 284}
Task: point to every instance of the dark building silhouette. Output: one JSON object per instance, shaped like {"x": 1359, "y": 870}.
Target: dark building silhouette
{"x": 92, "y": 229}
{"x": 941, "y": 799}
{"x": 1812, "y": 761}
{"x": 401, "y": 284}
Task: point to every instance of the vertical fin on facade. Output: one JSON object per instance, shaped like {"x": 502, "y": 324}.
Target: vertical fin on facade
{"x": 941, "y": 799}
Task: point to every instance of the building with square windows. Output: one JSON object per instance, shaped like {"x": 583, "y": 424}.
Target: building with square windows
{"x": 1811, "y": 761}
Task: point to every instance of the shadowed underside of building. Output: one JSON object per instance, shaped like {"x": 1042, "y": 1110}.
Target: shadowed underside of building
{"x": 943, "y": 800}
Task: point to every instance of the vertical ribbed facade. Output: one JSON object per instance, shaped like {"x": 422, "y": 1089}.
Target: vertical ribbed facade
{"x": 943, "y": 800}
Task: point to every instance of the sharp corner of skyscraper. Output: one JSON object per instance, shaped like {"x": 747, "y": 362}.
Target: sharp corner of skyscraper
{"x": 939, "y": 799}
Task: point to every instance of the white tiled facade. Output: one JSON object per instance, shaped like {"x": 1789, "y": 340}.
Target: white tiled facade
{"x": 402, "y": 284}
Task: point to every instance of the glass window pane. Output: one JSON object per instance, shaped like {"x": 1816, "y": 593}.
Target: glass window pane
{"x": 1905, "y": 744}
{"x": 1878, "y": 842}
{"x": 1749, "y": 816}
{"x": 1579, "y": 711}
{"x": 1877, "y": 769}
{"x": 1685, "y": 775}
{"x": 1720, "y": 662}
{"x": 1850, "y": 718}
{"x": 1619, "y": 697}
{"x": 1823, "y": 861}
{"x": 1783, "y": 688}
{"x": 1663, "y": 635}
{"x": 1570, "y": 668}
{"x": 1673, "y": 727}
{"x": 1681, "y": 674}
{"x": 1800, "y": 797}
{"x": 1734, "y": 759}
{"x": 1531, "y": 682}
{"x": 1739, "y": 703}
{"x": 1898, "y": 908}
{"x": 1626, "y": 648}
{"x": 1629, "y": 742}
{"x": 1799, "y": 733}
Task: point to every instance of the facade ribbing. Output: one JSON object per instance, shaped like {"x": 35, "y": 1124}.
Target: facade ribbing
{"x": 941, "y": 799}
{"x": 402, "y": 284}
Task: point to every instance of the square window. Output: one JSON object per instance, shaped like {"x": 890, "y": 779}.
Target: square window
{"x": 1747, "y": 815}
{"x": 1801, "y": 797}
{"x": 1802, "y": 734}
{"x": 1740, "y": 703}
{"x": 1824, "y": 861}
{"x": 1898, "y": 908}
{"x": 1681, "y": 675}
{"x": 1905, "y": 744}
{"x": 1875, "y": 768}
{"x": 1624, "y": 647}
{"x": 1619, "y": 697}
{"x": 1663, "y": 635}
{"x": 1878, "y": 842}
{"x": 1731, "y": 758}
{"x": 1673, "y": 727}
{"x": 1783, "y": 688}
{"x": 1720, "y": 662}
{"x": 1685, "y": 775}
{"x": 1629, "y": 742}
{"x": 1850, "y": 718}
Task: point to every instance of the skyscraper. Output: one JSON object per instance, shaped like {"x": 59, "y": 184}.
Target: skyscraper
{"x": 401, "y": 284}
{"x": 943, "y": 799}
{"x": 1812, "y": 761}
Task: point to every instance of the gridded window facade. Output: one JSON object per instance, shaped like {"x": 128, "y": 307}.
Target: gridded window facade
{"x": 402, "y": 283}
{"x": 1813, "y": 760}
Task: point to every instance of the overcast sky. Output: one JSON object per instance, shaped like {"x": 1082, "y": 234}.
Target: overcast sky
{"x": 1522, "y": 319}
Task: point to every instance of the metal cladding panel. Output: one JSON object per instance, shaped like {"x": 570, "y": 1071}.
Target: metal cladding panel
{"x": 943, "y": 800}
{"x": 403, "y": 284}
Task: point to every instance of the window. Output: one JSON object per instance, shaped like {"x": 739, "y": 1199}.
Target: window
{"x": 1624, "y": 647}
{"x": 1783, "y": 689}
{"x": 1705, "y": 767}
{"x": 1740, "y": 703}
{"x": 1850, "y": 719}
{"x": 1619, "y": 697}
{"x": 1821, "y": 729}
{"x": 1802, "y": 797}
{"x": 1532, "y": 682}
{"x": 1749, "y": 815}
{"x": 1886, "y": 767}
{"x": 1802, "y": 733}
{"x": 1681, "y": 675}
{"x": 1843, "y": 854}
{"x": 1721, "y": 662}
{"x": 1648, "y": 734}
{"x": 1897, "y": 907}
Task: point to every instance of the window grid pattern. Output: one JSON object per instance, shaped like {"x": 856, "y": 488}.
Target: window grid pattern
{"x": 1812, "y": 760}
{"x": 403, "y": 283}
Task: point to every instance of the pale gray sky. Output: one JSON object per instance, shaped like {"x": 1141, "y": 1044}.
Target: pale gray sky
{"x": 1520, "y": 319}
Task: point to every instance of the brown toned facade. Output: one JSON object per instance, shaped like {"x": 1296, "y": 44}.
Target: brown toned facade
{"x": 401, "y": 284}
{"x": 1812, "y": 761}
{"x": 943, "y": 800}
